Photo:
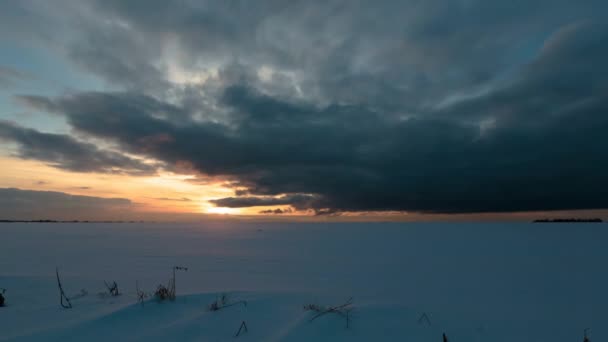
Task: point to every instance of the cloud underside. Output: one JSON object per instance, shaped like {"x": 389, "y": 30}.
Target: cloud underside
{"x": 426, "y": 111}
{"x": 18, "y": 204}
{"x": 64, "y": 152}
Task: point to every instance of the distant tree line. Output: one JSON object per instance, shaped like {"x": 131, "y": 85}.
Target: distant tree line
{"x": 590, "y": 220}
{"x": 66, "y": 221}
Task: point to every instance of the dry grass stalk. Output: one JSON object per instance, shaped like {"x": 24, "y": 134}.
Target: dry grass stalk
{"x": 223, "y": 302}
{"x": 341, "y": 310}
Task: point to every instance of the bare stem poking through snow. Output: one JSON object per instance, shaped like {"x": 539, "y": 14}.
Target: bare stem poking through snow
{"x": 141, "y": 295}
{"x": 62, "y": 296}
{"x": 172, "y": 291}
{"x": 243, "y": 325}
{"x": 585, "y": 338}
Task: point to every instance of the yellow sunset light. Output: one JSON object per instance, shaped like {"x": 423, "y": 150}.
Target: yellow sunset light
{"x": 222, "y": 210}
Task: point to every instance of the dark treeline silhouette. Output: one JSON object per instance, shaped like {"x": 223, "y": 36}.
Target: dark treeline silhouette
{"x": 67, "y": 221}
{"x": 565, "y": 220}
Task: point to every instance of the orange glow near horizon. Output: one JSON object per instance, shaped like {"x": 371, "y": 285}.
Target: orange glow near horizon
{"x": 163, "y": 193}
{"x": 174, "y": 197}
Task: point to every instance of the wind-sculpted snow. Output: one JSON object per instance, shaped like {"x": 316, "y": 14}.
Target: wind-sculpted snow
{"x": 409, "y": 282}
{"x": 270, "y": 317}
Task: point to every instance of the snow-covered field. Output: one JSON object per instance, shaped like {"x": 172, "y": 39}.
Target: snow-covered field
{"x": 475, "y": 282}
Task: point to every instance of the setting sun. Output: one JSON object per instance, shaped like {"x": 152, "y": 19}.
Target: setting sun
{"x": 222, "y": 210}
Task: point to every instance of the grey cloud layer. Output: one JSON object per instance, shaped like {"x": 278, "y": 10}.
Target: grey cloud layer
{"x": 9, "y": 76}
{"x": 434, "y": 106}
{"x": 65, "y": 152}
{"x": 17, "y": 204}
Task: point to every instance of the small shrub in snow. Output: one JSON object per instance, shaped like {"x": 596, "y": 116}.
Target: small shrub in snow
{"x": 162, "y": 292}
{"x": 168, "y": 292}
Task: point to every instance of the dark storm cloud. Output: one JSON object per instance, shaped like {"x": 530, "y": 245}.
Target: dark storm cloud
{"x": 65, "y": 152}
{"x": 297, "y": 201}
{"x": 18, "y": 204}
{"x": 395, "y": 55}
{"x": 107, "y": 53}
{"x": 434, "y": 106}
{"x": 566, "y": 75}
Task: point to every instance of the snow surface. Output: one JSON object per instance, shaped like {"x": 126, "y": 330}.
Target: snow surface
{"x": 475, "y": 282}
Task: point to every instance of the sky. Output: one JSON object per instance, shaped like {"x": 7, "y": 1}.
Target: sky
{"x": 349, "y": 110}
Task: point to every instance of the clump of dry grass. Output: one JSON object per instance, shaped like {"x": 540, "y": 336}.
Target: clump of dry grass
{"x": 163, "y": 292}
{"x": 168, "y": 292}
